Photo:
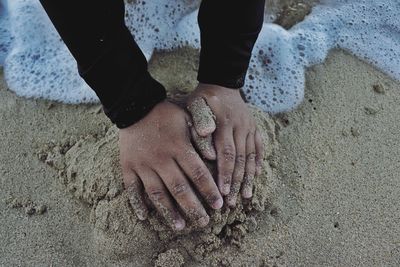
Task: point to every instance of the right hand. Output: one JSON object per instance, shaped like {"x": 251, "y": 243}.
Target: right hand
{"x": 238, "y": 144}
{"x": 157, "y": 155}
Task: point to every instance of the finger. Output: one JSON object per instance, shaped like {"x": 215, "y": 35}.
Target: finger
{"x": 201, "y": 177}
{"x": 204, "y": 145}
{"x": 135, "y": 190}
{"x": 203, "y": 117}
{"x": 250, "y": 169}
{"x": 240, "y": 163}
{"x": 161, "y": 199}
{"x": 259, "y": 152}
{"x": 226, "y": 155}
{"x": 184, "y": 195}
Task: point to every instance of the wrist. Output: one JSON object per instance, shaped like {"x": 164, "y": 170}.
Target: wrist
{"x": 151, "y": 115}
{"x": 134, "y": 106}
{"x": 206, "y": 89}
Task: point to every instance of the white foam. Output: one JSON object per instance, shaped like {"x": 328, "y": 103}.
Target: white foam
{"x": 154, "y": 23}
{"x": 5, "y": 35}
{"x": 367, "y": 29}
{"x": 39, "y": 65}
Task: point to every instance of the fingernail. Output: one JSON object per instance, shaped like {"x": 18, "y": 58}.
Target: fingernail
{"x": 203, "y": 221}
{"x": 218, "y": 204}
{"x": 212, "y": 154}
{"x": 247, "y": 193}
{"x": 179, "y": 225}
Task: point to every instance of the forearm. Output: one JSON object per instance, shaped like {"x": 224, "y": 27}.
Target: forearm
{"x": 108, "y": 58}
{"x": 229, "y": 30}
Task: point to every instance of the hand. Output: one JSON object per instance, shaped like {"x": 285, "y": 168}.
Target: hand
{"x": 238, "y": 144}
{"x": 157, "y": 155}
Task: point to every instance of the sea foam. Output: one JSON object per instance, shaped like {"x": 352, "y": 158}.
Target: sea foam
{"x": 38, "y": 64}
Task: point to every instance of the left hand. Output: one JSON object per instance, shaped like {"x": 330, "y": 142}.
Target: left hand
{"x": 238, "y": 144}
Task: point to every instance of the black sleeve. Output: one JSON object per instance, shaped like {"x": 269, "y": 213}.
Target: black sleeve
{"x": 112, "y": 64}
{"x": 108, "y": 58}
{"x": 229, "y": 30}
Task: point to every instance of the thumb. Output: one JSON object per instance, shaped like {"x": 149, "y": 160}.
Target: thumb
{"x": 202, "y": 116}
{"x": 204, "y": 145}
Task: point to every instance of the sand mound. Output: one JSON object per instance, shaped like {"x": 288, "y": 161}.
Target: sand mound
{"x": 89, "y": 168}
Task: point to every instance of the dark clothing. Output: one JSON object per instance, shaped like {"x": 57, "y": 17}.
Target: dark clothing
{"x": 111, "y": 63}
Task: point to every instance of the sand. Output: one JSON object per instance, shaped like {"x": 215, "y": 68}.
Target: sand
{"x": 329, "y": 196}
{"x": 88, "y": 167}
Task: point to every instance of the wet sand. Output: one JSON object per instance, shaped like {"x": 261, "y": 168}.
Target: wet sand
{"x": 334, "y": 192}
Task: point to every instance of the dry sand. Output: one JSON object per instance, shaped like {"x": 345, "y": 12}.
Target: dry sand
{"x": 331, "y": 188}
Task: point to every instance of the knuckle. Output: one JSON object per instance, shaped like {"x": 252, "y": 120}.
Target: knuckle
{"x": 228, "y": 153}
{"x": 226, "y": 117}
{"x": 251, "y": 156}
{"x": 126, "y": 165}
{"x": 238, "y": 179}
{"x": 179, "y": 189}
{"x": 211, "y": 198}
{"x": 239, "y": 171}
{"x": 235, "y": 189}
{"x": 226, "y": 122}
{"x": 156, "y": 194}
{"x": 227, "y": 178}
{"x": 212, "y": 98}
{"x": 249, "y": 177}
{"x": 240, "y": 160}
{"x": 250, "y": 172}
{"x": 199, "y": 175}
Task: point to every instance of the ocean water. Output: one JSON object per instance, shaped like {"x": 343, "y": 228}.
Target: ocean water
{"x": 37, "y": 63}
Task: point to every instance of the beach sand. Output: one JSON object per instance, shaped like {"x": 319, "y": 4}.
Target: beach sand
{"x": 333, "y": 195}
